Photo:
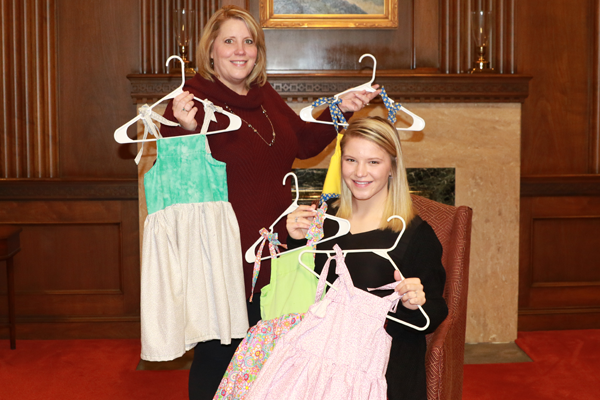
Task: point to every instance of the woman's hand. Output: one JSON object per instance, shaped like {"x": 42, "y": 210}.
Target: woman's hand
{"x": 299, "y": 221}
{"x": 185, "y": 111}
{"x": 356, "y": 101}
{"x": 412, "y": 289}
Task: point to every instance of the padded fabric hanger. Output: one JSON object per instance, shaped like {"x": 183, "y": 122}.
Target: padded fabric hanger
{"x": 147, "y": 116}
{"x": 344, "y": 225}
{"x": 382, "y": 253}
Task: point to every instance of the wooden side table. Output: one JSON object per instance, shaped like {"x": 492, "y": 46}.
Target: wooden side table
{"x": 9, "y": 246}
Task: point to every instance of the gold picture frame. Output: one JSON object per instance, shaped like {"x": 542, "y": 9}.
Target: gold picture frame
{"x": 384, "y": 17}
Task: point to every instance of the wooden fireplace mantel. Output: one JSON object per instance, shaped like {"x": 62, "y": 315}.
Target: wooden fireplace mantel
{"x": 301, "y": 86}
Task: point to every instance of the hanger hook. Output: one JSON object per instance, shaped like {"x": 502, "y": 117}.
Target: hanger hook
{"x": 182, "y": 69}
{"x": 374, "y": 65}
{"x": 293, "y": 175}
{"x": 401, "y": 232}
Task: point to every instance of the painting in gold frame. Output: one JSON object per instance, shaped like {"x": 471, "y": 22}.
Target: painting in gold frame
{"x": 319, "y": 14}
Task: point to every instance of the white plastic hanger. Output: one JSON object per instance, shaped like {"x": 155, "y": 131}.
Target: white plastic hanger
{"x": 344, "y": 225}
{"x": 380, "y": 252}
{"x": 418, "y": 122}
{"x": 306, "y": 112}
{"x": 234, "y": 121}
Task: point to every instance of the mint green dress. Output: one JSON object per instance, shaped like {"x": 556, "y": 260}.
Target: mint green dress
{"x": 192, "y": 283}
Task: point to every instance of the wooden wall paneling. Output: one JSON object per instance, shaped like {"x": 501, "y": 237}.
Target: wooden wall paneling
{"x": 7, "y": 166}
{"x": 28, "y": 86}
{"x": 426, "y": 47}
{"x": 157, "y": 39}
{"x": 130, "y": 257}
{"x": 339, "y": 49}
{"x": 239, "y": 3}
{"x": 594, "y": 156}
{"x": 525, "y": 245}
{"x": 555, "y": 43}
{"x": 445, "y": 36}
{"x": 78, "y": 270}
{"x": 559, "y": 278}
{"x": 97, "y": 47}
{"x": 451, "y": 36}
{"x": 457, "y": 48}
{"x": 503, "y": 55}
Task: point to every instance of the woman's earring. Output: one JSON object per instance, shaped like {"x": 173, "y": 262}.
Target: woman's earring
{"x": 212, "y": 63}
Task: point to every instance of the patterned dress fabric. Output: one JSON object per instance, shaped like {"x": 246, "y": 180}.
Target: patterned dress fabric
{"x": 251, "y": 355}
{"x": 340, "y": 351}
{"x": 337, "y": 116}
{"x": 315, "y": 231}
{"x": 192, "y": 284}
{"x": 184, "y": 173}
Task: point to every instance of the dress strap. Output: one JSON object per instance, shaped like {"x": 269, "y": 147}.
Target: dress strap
{"x": 209, "y": 116}
{"x": 394, "y": 298}
{"x": 323, "y": 279}
{"x": 340, "y": 269}
{"x": 273, "y": 243}
{"x": 147, "y": 115}
{"x": 315, "y": 232}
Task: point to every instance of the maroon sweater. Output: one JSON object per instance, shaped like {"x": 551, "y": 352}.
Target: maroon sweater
{"x": 255, "y": 171}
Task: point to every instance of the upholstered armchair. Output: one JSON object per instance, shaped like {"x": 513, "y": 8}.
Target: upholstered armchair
{"x": 445, "y": 347}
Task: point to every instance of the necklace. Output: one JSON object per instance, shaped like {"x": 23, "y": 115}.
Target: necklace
{"x": 254, "y": 129}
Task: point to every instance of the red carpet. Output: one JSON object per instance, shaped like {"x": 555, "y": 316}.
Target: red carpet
{"x": 83, "y": 369}
{"x": 566, "y": 365}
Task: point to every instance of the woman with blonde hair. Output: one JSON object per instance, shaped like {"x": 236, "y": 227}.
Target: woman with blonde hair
{"x": 375, "y": 187}
{"x": 231, "y": 60}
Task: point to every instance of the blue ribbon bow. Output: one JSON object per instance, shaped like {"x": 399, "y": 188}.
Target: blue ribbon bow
{"x": 336, "y": 114}
{"x": 391, "y": 106}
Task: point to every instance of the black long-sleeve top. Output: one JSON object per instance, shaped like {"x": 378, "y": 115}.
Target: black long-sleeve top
{"x": 418, "y": 254}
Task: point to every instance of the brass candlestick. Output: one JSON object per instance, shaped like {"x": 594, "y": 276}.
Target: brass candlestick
{"x": 481, "y": 64}
{"x": 183, "y": 30}
{"x": 482, "y": 32}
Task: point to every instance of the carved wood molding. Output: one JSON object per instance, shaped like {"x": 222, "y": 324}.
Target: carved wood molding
{"x": 58, "y": 189}
{"x": 560, "y": 185}
{"x": 428, "y": 88}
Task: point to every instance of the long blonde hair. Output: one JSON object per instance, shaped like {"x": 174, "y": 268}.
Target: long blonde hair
{"x": 210, "y": 33}
{"x": 398, "y": 202}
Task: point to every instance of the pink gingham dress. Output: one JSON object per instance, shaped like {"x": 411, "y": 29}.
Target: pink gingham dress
{"x": 340, "y": 350}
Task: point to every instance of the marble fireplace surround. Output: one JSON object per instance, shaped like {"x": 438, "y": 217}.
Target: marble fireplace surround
{"x": 473, "y": 124}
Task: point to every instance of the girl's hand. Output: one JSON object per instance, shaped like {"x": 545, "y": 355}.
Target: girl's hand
{"x": 299, "y": 221}
{"x": 412, "y": 289}
{"x": 356, "y": 101}
{"x": 185, "y": 111}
